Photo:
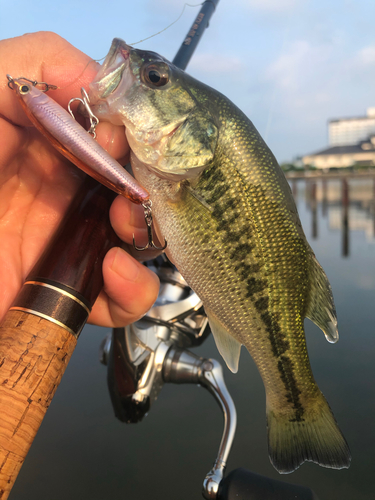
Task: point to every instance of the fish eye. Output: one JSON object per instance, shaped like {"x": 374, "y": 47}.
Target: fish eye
{"x": 155, "y": 75}
{"x": 24, "y": 89}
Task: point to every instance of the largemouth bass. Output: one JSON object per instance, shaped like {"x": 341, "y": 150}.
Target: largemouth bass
{"x": 233, "y": 231}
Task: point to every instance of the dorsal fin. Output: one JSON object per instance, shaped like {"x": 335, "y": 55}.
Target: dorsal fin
{"x": 228, "y": 346}
{"x": 321, "y": 308}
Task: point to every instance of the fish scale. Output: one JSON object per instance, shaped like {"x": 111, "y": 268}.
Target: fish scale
{"x": 233, "y": 231}
{"x": 204, "y": 248}
{"x": 240, "y": 254}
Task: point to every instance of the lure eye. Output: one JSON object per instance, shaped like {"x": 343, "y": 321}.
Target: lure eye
{"x": 24, "y": 89}
{"x": 156, "y": 75}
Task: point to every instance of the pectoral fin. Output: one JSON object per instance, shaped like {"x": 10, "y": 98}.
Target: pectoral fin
{"x": 321, "y": 309}
{"x": 228, "y": 346}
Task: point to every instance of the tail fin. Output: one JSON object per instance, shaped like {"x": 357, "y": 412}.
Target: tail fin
{"x": 316, "y": 438}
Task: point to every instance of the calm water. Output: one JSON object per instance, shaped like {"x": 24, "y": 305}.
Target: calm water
{"x": 83, "y": 452}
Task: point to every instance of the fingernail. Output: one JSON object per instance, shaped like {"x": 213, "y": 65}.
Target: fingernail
{"x": 112, "y": 138}
{"x": 125, "y": 266}
{"x": 107, "y": 136}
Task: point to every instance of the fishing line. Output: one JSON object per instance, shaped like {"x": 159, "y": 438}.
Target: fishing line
{"x": 135, "y": 43}
{"x": 174, "y": 22}
{"x": 79, "y": 76}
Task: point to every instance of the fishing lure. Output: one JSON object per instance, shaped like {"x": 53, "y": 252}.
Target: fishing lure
{"x": 73, "y": 141}
{"x": 79, "y": 146}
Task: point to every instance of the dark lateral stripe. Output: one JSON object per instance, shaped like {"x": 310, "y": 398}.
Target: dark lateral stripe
{"x": 53, "y": 303}
{"x": 286, "y": 368}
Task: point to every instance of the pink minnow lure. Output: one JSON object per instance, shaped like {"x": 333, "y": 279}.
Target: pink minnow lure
{"x": 72, "y": 140}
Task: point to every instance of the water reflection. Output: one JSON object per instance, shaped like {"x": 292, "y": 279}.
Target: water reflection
{"x": 345, "y": 218}
{"x": 348, "y": 203}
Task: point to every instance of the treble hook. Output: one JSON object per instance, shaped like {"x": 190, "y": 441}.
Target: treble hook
{"x": 85, "y": 100}
{"x": 148, "y": 218}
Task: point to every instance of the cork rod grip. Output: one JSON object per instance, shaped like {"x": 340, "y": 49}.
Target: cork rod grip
{"x": 33, "y": 356}
{"x": 39, "y": 332}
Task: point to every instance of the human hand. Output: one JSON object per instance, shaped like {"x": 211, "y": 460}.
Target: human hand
{"x": 37, "y": 183}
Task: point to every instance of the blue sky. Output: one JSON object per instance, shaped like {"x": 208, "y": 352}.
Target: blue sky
{"x": 290, "y": 65}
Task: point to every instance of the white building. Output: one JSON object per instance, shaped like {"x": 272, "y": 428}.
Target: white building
{"x": 349, "y": 131}
{"x": 351, "y": 142}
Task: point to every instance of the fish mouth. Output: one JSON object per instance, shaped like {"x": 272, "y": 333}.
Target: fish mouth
{"x": 118, "y": 46}
{"x": 111, "y": 73}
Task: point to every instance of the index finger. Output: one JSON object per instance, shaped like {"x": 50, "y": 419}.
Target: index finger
{"x": 46, "y": 57}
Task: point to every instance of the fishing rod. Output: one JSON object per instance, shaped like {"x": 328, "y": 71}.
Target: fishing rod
{"x": 39, "y": 332}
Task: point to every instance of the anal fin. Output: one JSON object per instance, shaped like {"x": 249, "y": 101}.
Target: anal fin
{"x": 228, "y": 346}
{"x": 321, "y": 309}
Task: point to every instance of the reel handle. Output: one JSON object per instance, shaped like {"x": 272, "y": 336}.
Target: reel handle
{"x": 246, "y": 485}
